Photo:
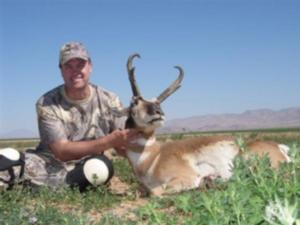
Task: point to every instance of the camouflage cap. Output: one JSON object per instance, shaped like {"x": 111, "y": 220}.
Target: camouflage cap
{"x": 72, "y": 50}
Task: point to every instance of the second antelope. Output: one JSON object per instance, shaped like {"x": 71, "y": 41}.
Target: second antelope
{"x": 174, "y": 166}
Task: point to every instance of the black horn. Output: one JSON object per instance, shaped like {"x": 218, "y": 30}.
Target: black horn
{"x": 173, "y": 87}
{"x": 130, "y": 69}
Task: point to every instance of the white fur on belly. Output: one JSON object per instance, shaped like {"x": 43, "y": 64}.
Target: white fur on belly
{"x": 214, "y": 160}
{"x": 284, "y": 149}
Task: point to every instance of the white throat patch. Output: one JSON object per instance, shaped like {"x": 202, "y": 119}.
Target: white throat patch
{"x": 145, "y": 142}
{"x": 139, "y": 157}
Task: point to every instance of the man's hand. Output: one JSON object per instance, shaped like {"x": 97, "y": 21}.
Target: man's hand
{"x": 71, "y": 150}
{"x": 121, "y": 139}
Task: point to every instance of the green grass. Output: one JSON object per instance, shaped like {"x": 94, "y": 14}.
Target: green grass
{"x": 18, "y": 143}
{"x": 256, "y": 194}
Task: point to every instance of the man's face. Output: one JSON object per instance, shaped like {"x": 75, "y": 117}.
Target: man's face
{"x": 76, "y": 73}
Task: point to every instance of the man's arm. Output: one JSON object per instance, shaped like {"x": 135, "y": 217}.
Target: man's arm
{"x": 65, "y": 150}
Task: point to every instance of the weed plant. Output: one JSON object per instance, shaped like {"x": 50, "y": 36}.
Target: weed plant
{"x": 19, "y": 144}
{"x": 255, "y": 195}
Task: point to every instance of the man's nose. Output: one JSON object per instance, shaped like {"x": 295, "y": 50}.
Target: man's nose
{"x": 75, "y": 71}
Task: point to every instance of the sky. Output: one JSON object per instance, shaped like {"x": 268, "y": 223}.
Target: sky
{"x": 237, "y": 55}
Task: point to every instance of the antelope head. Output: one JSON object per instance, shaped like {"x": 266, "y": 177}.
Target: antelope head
{"x": 147, "y": 115}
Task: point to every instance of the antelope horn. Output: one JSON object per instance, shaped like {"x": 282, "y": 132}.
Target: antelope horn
{"x": 173, "y": 87}
{"x": 130, "y": 70}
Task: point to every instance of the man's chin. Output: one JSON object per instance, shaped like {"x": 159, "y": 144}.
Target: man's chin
{"x": 77, "y": 86}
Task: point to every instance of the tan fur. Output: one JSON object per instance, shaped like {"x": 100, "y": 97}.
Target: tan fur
{"x": 270, "y": 149}
{"x": 168, "y": 167}
{"x": 185, "y": 164}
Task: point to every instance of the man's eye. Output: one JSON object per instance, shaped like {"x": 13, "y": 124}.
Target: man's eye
{"x": 67, "y": 67}
{"x": 81, "y": 65}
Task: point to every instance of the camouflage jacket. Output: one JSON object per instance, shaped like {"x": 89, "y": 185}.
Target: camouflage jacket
{"x": 60, "y": 118}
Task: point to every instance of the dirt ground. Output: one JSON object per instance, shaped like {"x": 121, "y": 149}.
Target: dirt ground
{"x": 125, "y": 209}
{"x": 118, "y": 187}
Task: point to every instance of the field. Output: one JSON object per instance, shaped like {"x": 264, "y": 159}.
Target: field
{"x": 254, "y": 195}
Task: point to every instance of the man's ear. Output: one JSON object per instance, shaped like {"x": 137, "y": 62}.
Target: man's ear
{"x": 91, "y": 67}
{"x": 117, "y": 112}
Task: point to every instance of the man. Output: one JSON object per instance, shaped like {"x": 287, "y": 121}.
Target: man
{"x": 77, "y": 123}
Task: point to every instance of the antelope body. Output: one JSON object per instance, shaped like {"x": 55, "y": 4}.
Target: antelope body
{"x": 175, "y": 166}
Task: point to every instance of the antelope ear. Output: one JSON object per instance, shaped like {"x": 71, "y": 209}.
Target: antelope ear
{"x": 117, "y": 112}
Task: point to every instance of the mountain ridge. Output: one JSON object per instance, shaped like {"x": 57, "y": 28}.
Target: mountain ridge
{"x": 249, "y": 119}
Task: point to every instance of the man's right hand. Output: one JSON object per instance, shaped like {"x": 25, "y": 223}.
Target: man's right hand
{"x": 122, "y": 139}
{"x": 65, "y": 150}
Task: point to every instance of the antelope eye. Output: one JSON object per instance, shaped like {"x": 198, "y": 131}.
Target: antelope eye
{"x": 136, "y": 100}
{"x": 133, "y": 113}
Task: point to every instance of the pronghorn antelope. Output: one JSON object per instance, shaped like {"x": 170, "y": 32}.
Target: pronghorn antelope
{"x": 171, "y": 167}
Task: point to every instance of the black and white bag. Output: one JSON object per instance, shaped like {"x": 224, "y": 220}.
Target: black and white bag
{"x": 11, "y": 166}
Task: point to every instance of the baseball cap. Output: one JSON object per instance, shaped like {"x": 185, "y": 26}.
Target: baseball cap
{"x": 72, "y": 50}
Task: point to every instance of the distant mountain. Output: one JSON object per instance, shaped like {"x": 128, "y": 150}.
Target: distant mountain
{"x": 251, "y": 119}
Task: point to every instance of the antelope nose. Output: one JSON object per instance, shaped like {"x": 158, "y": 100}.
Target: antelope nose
{"x": 155, "y": 109}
